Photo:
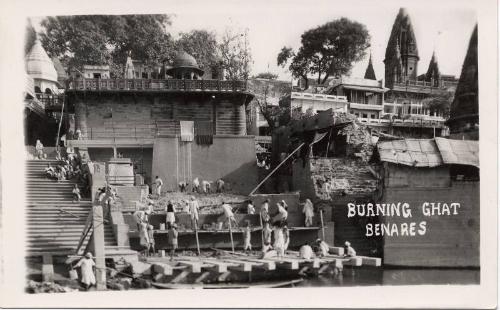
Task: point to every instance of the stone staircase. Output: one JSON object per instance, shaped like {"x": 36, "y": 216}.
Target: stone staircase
{"x": 55, "y": 222}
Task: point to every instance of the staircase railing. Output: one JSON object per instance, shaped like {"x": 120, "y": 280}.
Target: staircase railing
{"x": 88, "y": 228}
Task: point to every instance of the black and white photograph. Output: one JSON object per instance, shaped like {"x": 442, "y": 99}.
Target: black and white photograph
{"x": 302, "y": 146}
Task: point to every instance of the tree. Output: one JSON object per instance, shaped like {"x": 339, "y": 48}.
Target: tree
{"x": 200, "y": 44}
{"x": 300, "y": 66}
{"x": 439, "y": 103}
{"x": 266, "y": 75}
{"x": 106, "y": 39}
{"x": 268, "y": 99}
{"x": 328, "y": 50}
{"x": 235, "y": 54}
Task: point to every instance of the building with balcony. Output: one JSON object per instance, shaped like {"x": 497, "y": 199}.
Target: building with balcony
{"x": 311, "y": 103}
{"x": 365, "y": 96}
{"x": 177, "y": 128}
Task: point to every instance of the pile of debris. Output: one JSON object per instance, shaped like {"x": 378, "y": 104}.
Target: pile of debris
{"x": 341, "y": 176}
{"x": 34, "y": 287}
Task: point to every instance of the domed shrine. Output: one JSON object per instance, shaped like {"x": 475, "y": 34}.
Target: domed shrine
{"x": 185, "y": 67}
{"x": 40, "y": 67}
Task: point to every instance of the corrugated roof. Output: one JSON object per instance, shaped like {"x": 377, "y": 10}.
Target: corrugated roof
{"x": 429, "y": 152}
{"x": 410, "y": 152}
{"x": 460, "y": 152}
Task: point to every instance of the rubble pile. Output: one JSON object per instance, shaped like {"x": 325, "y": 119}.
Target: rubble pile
{"x": 34, "y": 287}
{"x": 359, "y": 140}
{"x": 339, "y": 176}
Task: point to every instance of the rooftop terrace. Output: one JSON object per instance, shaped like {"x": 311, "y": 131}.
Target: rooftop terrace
{"x": 83, "y": 84}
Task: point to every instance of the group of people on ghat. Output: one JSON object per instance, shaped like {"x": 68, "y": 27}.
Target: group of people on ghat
{"x": 197, "y": 186}
{"x": 203, "y": 186}
{"x": 145, "y": 229}
{"x": 68, "y": 169}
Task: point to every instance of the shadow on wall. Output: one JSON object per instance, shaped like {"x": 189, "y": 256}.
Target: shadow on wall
{"x": 242, "y": 180}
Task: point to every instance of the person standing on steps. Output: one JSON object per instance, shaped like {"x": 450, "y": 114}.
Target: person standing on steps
{"x": 308, "y": 211}
{"x": 159, "y": 184}
{"x": 286, "y": 237}
{"x": 250, "y": 208}
{"x": 87, "y": 265}
{"x": 247, "y": 236}
{"x": 76, "y": 193}
{"x": 172, "y": 240}
{"x": 193, "y": 210}
{"x": 264, "y": 212}
{"x": 228, "y": 214}
{"x": 279, "y": 241}
{"x": 170, "y": 214}
{"x": 151, "y": 239}
{"x": 39, "y": 149}
{"x": 267, "y": 233}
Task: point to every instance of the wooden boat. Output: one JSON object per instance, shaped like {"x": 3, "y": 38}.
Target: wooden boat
{"x": 290, "y": 283}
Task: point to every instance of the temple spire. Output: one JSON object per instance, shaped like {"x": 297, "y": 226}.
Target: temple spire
{"x": 433, "y": 70}
{"x": 370, "y": 73}
{"x": 401, "y": 54}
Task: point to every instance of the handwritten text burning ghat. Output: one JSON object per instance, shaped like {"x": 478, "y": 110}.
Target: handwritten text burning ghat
{"x": 399, "y": 210}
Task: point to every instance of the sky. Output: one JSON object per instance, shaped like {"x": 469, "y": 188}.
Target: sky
{"x": 443, "y": 28}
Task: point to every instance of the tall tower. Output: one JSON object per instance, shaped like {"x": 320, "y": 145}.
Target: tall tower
{"x": 401, "y": 55}
{"x": 464, "y": 111}
{"x": 370, "y": 73}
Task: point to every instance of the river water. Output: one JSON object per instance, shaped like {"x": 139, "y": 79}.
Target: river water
{"x": 387, "y": 276}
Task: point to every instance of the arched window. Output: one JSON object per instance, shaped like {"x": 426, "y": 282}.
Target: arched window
{"x": 37, "y": 90}
{"x": 48, "y": 91}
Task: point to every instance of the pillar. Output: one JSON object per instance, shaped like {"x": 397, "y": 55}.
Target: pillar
{"x": 99, "y": 248}
{"x": 81, "y": 118}
{"x": 47, "y": 268}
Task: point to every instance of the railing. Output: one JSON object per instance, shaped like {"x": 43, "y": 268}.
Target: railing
{"x": 134, "y": 132}
{"x": 402, "y": 122}
{"x": 156, "y": 85}
{"x": 51, "y": 101}
{"x": 87, "y": 231}
{"x": 425, "y": 84}
{"x": 318, "y": 97}
{"x": 120, "y": 179}
{"x": 147, "y": 131}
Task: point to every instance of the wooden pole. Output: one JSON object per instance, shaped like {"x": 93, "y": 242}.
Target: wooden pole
{"x": 231, "y": 234}
{"x": 274, "y": 170}
{"x": 262, "y": 230}
{"x": 322, "y": 224}
{"x": 196, "y": 234}
{"x": 328, "y": 144}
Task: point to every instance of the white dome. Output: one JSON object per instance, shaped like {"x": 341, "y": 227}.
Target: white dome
{"x": 39, "y": 65}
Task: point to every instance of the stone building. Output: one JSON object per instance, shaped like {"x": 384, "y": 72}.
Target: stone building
{"x": 177, "y": 128}
{"x": 408, "y": 91}
{"x": 365, "y": 96}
